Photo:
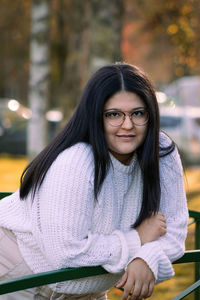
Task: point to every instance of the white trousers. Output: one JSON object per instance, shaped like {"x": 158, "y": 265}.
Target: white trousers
{"x": 12, "y": 265}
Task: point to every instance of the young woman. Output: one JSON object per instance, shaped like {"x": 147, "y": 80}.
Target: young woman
{"x": 107, "y": 191}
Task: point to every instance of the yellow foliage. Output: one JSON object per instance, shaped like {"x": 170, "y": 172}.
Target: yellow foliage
{"x": 186, "y": 9}
{"x": 172, "y": 29}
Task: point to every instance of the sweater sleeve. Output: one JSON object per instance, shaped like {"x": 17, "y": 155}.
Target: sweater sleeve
{"x": 66, "y": 205}
{"x": 160, "y": 254}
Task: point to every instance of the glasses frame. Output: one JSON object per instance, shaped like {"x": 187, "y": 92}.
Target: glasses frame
{"x": 127, "y": 114}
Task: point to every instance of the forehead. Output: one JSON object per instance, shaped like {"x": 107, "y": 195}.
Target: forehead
{"x": 124, "y": 101}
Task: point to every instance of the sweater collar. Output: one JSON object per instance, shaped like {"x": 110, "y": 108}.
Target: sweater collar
{"x": 121, "y": 167}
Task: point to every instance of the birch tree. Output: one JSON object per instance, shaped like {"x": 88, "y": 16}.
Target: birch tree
{"x": 39, "y": 76}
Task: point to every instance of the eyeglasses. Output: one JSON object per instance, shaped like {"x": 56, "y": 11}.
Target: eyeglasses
{"x": 138, "y": 117}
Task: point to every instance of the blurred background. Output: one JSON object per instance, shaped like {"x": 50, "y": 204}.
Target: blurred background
{"x": 49, "y": 49}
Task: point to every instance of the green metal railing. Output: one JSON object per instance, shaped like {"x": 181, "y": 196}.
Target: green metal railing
{"x": 40, "y": 279}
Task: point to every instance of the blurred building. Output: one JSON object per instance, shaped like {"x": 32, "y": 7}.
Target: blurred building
{"x": 185, "y": 91}
{"x": 180, "y": 116}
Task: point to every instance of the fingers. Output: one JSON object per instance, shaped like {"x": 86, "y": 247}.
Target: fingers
{"x": 144, "y": 291}
{"x": 127, "y": 289}
{"x": 163, "y": 226}
{"x": 150, "y": 290}
{"x": 162, "y": 232}
{"x": 122, "y": 281}
{"x": 136, "y": 291}
{"x": 140, "y": 291}
{"x": 139, "y": 279}
{"x": 162, "y": 223}
{"x": 161, "y": 216}
{"x": 158, "y": 217}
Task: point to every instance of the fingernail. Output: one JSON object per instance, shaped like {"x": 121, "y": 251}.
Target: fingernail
{"x": 117, "y": 285}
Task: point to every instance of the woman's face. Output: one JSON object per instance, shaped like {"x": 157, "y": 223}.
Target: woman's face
{"x": 124, "y": 139}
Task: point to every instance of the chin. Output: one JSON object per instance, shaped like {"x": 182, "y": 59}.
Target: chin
{"x": 127, "y": 151}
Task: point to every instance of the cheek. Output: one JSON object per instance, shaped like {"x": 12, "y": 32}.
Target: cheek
{"x": 109, "y": 136}
{"x": 108, "y": 130}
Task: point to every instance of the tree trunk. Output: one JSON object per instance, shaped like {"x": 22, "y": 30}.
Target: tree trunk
{"x": 106, "y": 35}
{"x": 39, "y": 77}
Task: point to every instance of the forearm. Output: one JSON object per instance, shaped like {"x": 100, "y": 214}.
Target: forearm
{"x": 160, "y": 254}
{"x": 112, "y": 251}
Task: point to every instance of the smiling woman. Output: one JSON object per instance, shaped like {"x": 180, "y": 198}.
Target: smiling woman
{"x": 125, "y": 134}
{"x": 108, "y": 191}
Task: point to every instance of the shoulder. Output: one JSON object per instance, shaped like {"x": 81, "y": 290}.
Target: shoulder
{"x": 164, "y": 140}
{"x": 169, "y": 162}
{"x": 79, "y": 151}
{"x": 76, "y": 158}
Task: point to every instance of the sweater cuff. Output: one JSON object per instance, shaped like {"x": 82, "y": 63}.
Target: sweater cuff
{"x": 151, "y": 255}
{"x": 121, "y": 258}
{"x": 129, "y": 244}
{"x": 157, "y": 261}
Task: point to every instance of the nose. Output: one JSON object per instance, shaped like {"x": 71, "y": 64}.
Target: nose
{"x": 127, "y": 124}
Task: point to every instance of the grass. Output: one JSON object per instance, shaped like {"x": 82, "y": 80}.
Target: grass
{"x": 10, "y": 172}
{"x": 11, "y": 169}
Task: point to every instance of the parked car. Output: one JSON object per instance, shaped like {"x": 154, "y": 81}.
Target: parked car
{"x": 182, "y": 124}
{"x": 13, "y": 139}
{"x": 13, "y": 126}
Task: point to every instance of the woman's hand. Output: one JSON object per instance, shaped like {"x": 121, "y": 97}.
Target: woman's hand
{"x": 152, "y": 228}
{"x": 139, "y": 279}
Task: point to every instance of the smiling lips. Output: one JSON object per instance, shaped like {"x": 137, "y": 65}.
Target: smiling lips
{"x": 126, "y": 137}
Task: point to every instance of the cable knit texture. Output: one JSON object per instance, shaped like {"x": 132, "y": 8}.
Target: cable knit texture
{"x": 65, "y": 227}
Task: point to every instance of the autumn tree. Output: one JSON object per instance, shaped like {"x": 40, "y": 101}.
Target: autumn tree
{"x": 163, "y": 37}
{"x": 14, "y": 50}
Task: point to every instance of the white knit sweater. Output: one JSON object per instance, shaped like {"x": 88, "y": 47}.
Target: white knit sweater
{"x": 65, "y": 227}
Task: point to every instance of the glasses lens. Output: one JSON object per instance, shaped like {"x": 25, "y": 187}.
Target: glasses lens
{"x": 115, "y": 118}
{"x": 140, "y": 117}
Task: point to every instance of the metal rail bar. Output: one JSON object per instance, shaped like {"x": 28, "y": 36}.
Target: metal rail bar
{"x": 44, "y": 278}
{"x": 188, "y": 291}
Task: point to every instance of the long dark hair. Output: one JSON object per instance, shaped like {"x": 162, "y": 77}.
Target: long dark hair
{"x": 86, "y": 125}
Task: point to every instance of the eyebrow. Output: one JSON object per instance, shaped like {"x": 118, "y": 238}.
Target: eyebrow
{"x": 117, "y": 109}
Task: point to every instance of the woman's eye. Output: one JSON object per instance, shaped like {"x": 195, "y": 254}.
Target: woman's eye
{"x": 138, "y": 113}
{"x": 113, "y": 114}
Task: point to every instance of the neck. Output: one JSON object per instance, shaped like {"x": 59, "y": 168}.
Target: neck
{"x": 123, "y": 158}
